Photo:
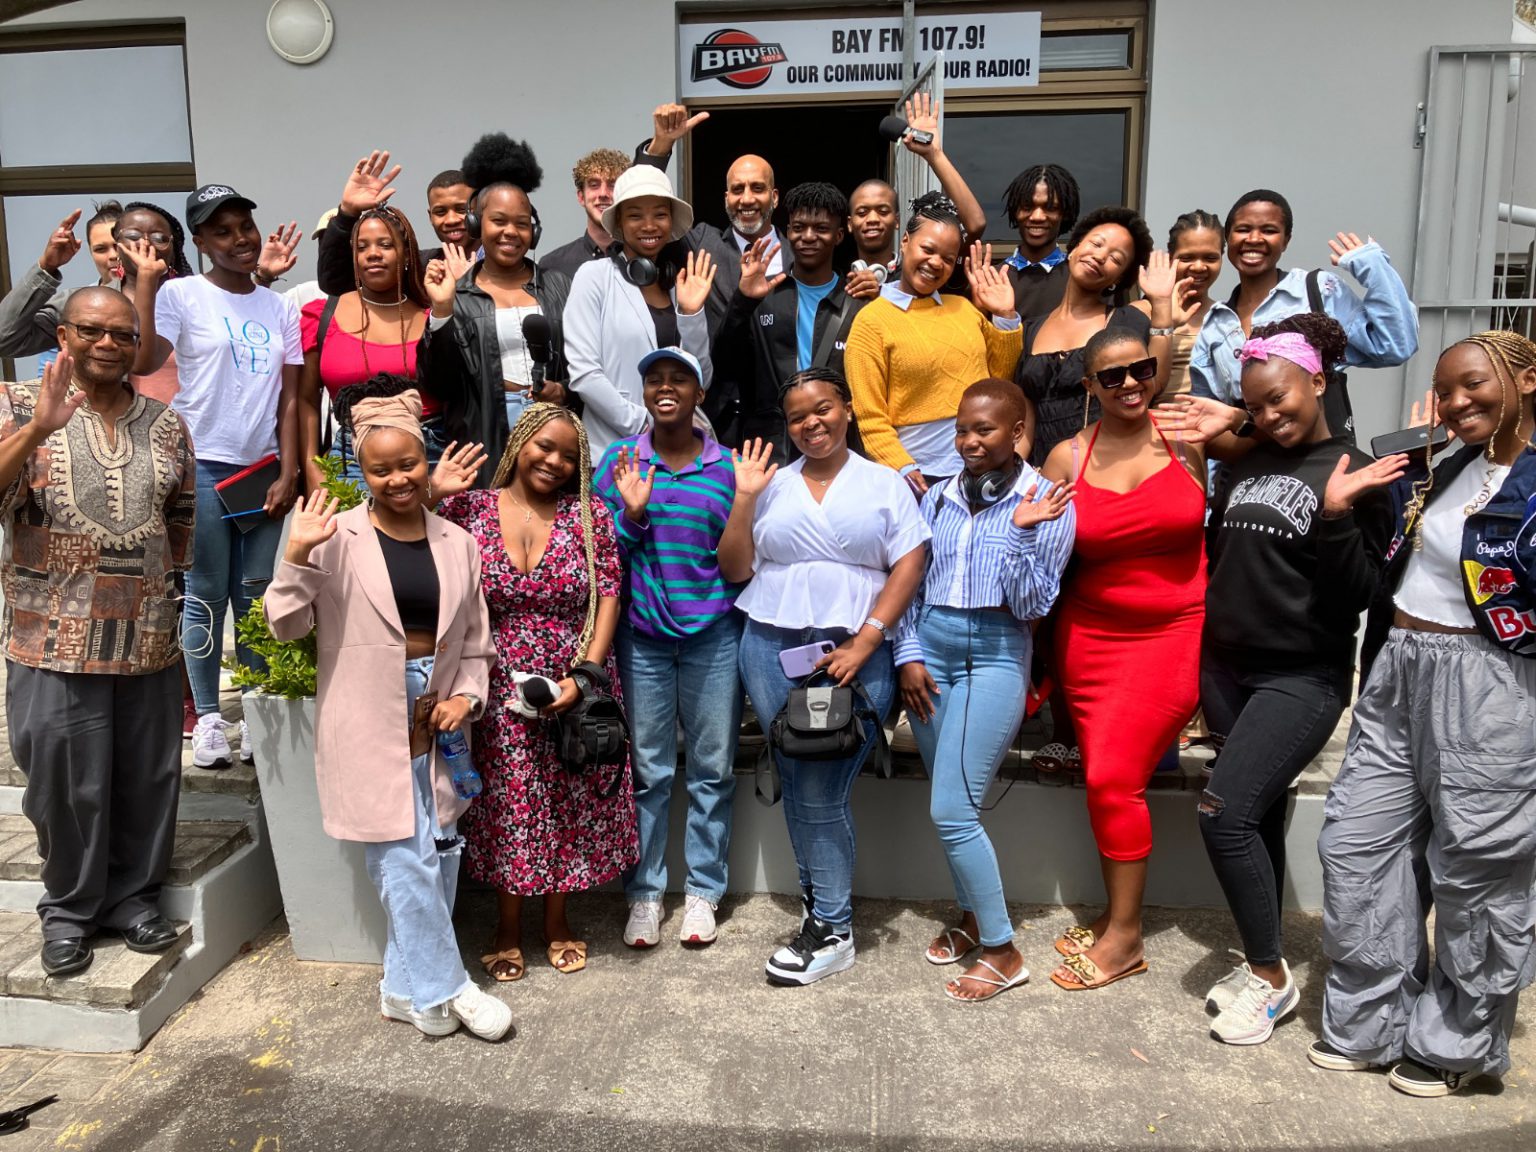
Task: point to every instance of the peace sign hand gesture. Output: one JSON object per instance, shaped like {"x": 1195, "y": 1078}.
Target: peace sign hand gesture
{"x": 1051, "y": 506}
{"x": 751, "y": 463}
{"x": 693, "y": 283}
{"x": 990, "y": 288}
{"x": 634, "y": 484}
{"x": 368, "y": 184}
{"x": 1345, "y": 487}
{"x": 313, "y": 523}
{"x": 755, "y": 282}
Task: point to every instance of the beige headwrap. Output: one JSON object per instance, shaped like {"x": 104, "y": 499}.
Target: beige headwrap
{"x": 402, "y": 411}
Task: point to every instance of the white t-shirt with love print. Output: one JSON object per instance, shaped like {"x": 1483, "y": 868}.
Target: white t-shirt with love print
{"x": 230, "y": 352}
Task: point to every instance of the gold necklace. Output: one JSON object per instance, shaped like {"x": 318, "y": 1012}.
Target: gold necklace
{"x": 527, "y": 511}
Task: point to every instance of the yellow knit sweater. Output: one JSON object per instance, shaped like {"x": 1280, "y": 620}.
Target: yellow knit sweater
{"x": 911, "y": 367}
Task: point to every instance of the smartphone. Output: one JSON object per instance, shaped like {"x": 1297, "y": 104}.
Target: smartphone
{"x": 799, "y": 663}
{"x": 1408, "y": 440}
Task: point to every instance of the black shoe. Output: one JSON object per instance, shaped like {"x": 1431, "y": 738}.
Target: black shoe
{"x": 1415, "y": 1079}
{"x": 61, "y": 957}
{"x": 1325, "y": 1055}
{"x": 153, "y": 935}
{"x": 819, "y": 951}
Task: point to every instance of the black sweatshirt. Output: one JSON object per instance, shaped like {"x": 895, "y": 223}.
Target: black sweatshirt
{"x": 1286, "y": 586}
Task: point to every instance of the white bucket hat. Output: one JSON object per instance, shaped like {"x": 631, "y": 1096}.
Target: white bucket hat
{"x": 644, "y": 180}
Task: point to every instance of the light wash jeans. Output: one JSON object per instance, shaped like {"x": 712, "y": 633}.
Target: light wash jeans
{"x": 816, "y": 792}
{"x": 980, "y": 662}
{"x": 695, "y": 679}
{"x": 417, "y": 879}
{"x": 227, "y": 565}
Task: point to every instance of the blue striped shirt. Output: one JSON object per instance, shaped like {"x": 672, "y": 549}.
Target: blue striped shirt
{"x": 984, "y": 561}
{"x": 673, "y": 587}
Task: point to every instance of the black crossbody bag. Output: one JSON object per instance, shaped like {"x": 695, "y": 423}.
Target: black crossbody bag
{"x": 593, "y": 732}
{"x": 820, "y": 722}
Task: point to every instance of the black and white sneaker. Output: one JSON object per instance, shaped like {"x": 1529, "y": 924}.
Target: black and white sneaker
{"x": 1325, "y": 1055}
{"x": 820, "y": 950}
{"x": 1423, "y": 1081}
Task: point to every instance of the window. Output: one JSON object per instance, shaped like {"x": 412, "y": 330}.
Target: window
{"x": 85, "y": 149}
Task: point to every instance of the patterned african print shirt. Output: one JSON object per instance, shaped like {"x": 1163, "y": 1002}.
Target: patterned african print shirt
{"x": 94, "y": 533}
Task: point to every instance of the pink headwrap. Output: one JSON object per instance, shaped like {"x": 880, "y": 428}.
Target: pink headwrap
{"x": 1292, "y": 346}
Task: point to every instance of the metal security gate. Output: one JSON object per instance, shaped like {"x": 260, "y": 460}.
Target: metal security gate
{"x": 1475, "y": 262}
{"x": 910, "y": 174}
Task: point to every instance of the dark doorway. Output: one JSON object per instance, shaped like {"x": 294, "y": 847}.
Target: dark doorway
{"x": 838, "y": 143}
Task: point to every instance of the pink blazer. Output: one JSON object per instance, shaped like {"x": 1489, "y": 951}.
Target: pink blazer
{"x": 362, "y": 743}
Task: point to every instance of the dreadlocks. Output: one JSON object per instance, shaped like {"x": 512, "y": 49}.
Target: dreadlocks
{"x": 534, "y": 417}
{"x": 817, "y": 196}
{"x": 1060, "y": 193}
{"x": 178, "y": 263}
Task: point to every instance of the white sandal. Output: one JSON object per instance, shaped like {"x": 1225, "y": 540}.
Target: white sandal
{"x": 955, "y": 954}
{"x": 999, "y": 986}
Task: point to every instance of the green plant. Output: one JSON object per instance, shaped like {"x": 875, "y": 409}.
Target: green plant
{"x": 289, "y": 665}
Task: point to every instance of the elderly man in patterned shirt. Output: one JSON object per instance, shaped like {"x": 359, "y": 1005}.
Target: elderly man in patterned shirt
{"x": 97, "y": 494}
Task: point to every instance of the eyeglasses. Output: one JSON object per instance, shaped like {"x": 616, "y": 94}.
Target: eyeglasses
{"x": 1141, "y": 371}
{"x": 158, "y": 239}
{"x": 122, "y": 337}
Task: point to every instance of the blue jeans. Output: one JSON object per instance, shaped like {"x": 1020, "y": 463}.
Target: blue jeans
{"x": 227, "y": 565}
{"x": 417, "y": 879}
{"x": 980, "y": 662}
{"x": 816, "y": 792}
{"x": 694, "y": 679}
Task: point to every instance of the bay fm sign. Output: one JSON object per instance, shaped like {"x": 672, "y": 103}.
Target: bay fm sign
{"x": 831, "y": 56}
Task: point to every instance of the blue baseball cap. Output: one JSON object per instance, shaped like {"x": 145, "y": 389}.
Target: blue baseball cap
{"x": 682, "y": 356}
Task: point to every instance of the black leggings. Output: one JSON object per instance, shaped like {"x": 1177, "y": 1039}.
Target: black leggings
{"x": 1268, "y": 725}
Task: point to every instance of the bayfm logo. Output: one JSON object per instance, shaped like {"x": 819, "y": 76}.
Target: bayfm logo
{"x": 736, "y": 58}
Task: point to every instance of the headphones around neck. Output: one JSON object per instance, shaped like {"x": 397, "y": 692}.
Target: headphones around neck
{"x": 472, "y": 218}
{"x": 641, "y": 271}
{"x": 990, "y": 487}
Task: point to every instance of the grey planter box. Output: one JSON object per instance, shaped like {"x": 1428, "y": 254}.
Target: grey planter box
{"x": 333, "y": 912}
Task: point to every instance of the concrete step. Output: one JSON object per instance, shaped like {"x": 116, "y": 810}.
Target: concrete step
{"x": 117, "y": 978}
{"x": 201, "y": 845}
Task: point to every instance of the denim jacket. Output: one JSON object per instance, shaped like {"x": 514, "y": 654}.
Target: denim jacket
{"x": 1382, "y": 327}
{"x": 1498, "y": 553}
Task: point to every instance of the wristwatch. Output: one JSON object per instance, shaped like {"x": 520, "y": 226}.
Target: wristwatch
{"x": 1245, "y": 429}
{"x": 476, "y": 705}
{"x": 879, "y": 626}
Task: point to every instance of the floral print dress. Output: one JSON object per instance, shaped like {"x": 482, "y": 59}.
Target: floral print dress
{"x": 538, "y": 826}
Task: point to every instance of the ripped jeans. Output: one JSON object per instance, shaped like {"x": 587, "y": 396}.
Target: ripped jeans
{"x": 227, "y": 565}
{"x": 1268, "y": 726}
{"x": 417, "y": 879}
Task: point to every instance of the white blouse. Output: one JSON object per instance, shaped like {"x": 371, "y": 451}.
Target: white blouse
{"x": 1431, "y": 588}
{"x": 823, "y": 565}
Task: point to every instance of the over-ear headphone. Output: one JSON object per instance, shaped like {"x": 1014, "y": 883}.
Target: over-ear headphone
{"x": 641, "y": 271}
{"x": 990, "y": 487}
{"x": 472, "y": 217}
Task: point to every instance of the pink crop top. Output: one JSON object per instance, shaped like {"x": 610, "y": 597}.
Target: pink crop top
{"x": 347, "y": 360}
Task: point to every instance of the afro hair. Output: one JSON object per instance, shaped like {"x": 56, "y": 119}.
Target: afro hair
{"x": 496, "y": 158}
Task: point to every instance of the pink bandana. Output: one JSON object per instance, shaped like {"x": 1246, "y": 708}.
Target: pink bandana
{"x": 1292, "y": 346}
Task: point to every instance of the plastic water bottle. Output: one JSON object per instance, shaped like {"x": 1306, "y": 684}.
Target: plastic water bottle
{"x": 455, "y": 752}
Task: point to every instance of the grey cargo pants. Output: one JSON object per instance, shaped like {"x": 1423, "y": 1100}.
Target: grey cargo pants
{"x": 1435, "y": 804}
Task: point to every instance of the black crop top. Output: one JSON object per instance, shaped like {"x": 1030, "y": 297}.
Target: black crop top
{"x": 413, "y": 576}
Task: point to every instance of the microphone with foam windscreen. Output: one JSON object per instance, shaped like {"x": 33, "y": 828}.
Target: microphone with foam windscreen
{"x": 880, "y": 270}
{"x": 531, "y": 693}
{"x": 895, "y": 129}
{"x": 536, "y": 340}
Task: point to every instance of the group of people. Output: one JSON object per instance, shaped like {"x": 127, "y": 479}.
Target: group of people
{"x": 683, "y": 468}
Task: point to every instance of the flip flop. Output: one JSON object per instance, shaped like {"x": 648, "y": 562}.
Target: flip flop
{"x": 999, "y": 986}
{"x": 1086, "y": 976}
{"x": 1051, "y": 759}
{"x": 511, "y": 957}
{"x": 1076, "y": 940}
{"x": 558, "y": 948}
{"x": 955, "y": 954}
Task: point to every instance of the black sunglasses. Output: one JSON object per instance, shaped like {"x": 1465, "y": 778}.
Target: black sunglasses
{"x": 1140, "y": 371}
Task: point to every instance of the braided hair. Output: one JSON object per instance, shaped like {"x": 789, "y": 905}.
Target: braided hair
{"x": 1510, "y": 354}
{"x": 1131, "y": 221}
{"x": 1060, "y": 193}
{"x": 844, "y": 393}
{"x": 1193, "y": 222}
{"x": 410, "y": 283}
{"x": 817, "y": 196}
{"x": 534, "y": 417}
{"x": 938, "y": 207}
{"x": 179, "y": 265}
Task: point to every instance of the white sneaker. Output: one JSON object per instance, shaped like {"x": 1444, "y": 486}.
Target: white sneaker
{"x": 698, "y": 921}
{"x": 1251, "y": 1018}
{"x": 1226, "y": 990}
{"x": 819, "y": 951}
{"x": 434, "y": 1021}
{"x": 210, "y": 747}
{"x": 483, "y": 1014}
{"x": 643, "y": 928}
{"x": 247, "y": 749}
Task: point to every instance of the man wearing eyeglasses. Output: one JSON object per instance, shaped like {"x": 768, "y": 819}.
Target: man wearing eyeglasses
{"x": 97, "y": 499}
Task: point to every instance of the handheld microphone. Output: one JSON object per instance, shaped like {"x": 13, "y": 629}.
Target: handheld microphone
{"x": 880, "y": 270}
{"x": 894, "y": 129}
{"x": 533, "y": 693}
{"x": 536, "y": 340}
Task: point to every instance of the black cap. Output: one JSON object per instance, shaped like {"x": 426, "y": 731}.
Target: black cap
{"x": 209, "y": 199}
